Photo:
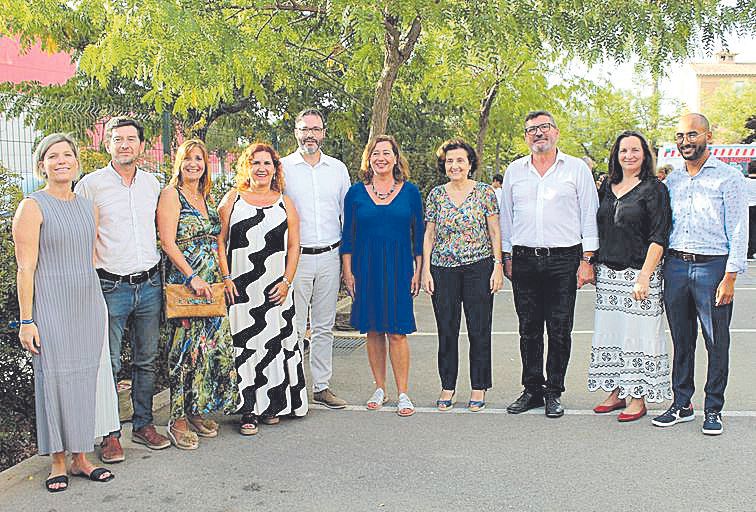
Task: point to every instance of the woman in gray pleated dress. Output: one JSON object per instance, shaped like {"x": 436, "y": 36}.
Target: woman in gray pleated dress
{"x": 63, "y": 315}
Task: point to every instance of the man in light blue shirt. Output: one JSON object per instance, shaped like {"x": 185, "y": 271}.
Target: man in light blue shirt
{"x": 707, "y": 250}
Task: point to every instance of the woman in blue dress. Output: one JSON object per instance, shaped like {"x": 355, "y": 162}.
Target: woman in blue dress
{"x": 382, "y": 248}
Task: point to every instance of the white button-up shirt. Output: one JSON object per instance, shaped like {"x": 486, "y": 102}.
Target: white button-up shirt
{"x": 556, "y": 210}
{"x": 318, "y": 193}
{"x": 126, "y": 238}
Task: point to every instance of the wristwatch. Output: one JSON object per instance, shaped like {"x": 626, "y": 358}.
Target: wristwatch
{"x": 589, "y": 259}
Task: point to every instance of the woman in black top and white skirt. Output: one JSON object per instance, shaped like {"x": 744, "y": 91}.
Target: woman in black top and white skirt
{"x": 629, "y": 356}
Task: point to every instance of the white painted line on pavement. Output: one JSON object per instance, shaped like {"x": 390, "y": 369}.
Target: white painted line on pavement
{"x": 460, "y": 409}
{"x": 593, "y": 290}
{"x": 516, "y": 333}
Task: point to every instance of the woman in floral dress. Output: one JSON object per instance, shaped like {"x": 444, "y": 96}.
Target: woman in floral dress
{"x": 201, "y": 358}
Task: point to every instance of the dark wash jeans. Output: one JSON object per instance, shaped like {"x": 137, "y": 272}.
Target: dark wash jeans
{"x": 545, "y": 289}
{"x": 143, "y": 301}
{"x": 465, "y": 286}
{"x": 689, "y": 295}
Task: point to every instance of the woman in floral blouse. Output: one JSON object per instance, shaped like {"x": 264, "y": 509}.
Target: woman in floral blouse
{"x": 462, "y": 267}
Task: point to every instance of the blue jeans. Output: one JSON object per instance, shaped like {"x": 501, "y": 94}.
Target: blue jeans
{"x": 689, "y": 295}
{"x": 143, "y": 301}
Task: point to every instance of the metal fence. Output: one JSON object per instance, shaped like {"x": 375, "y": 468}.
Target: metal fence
{"x": 18, "y": 138}
{"x": 17, "y": 142}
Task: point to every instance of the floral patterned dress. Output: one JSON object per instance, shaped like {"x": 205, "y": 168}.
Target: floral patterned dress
{"x": 201, "y": 354}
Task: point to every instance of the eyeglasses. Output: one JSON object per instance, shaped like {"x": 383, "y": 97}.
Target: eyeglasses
{"x": 544, "y": 127}
{"x": 691, "y": 136}
{"x": 315, "y": 131}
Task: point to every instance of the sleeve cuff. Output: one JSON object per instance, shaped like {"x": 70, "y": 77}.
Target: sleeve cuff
{"x": 590, "y": 244}
{"x": 733, "y": 266}
{"x": 506, "y": 247}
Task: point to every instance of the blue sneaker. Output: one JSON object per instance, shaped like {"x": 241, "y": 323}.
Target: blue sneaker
{"x": 712, "y": 425}
{"x": 674, "y": 415}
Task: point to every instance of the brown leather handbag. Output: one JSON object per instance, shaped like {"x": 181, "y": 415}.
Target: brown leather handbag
{"x": 181, "y": 302}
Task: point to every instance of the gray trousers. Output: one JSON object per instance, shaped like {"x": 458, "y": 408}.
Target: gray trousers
{"x": 316, "y": 288}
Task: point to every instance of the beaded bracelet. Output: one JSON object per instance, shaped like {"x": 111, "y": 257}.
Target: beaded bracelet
{"x": 286, "y": 280}
{"x": 188, "y": 280}
{"x": 15, "y": 324}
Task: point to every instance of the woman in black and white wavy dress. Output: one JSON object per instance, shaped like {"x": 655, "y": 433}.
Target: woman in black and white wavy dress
{"x": 259, "y": 252}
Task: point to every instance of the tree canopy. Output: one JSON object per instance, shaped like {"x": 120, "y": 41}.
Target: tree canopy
{"x": 448, "y": 67}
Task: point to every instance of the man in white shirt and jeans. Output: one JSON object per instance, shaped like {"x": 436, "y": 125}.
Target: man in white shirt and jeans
{"x": 548, "y": 236}
{"x": 127, "y": 261}
{"x": 317, "y": 183}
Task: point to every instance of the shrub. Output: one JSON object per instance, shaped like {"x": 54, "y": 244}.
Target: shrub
{"x": 17, "y": 433}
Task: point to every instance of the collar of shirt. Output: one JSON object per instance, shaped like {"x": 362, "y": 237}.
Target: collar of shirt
{"x": 298, "y": 159}
{"x": 112, "y": 170}
{"x": 532, "y": 168}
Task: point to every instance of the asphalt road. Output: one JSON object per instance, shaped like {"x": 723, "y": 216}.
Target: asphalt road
{"x": 359, "y": 460}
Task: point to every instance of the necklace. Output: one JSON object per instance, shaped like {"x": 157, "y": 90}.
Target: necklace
{"x": 192, "y": 195}
{"x": 383, "y": 195}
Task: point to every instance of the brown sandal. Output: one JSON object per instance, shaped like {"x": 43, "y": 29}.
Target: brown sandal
{"x": 182, "y": 439}
{"x": 202, "y": 426}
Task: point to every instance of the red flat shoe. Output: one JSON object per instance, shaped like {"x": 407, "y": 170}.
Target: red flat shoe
{"x": 602, "y": 409}
{"x": 623, "y": 418}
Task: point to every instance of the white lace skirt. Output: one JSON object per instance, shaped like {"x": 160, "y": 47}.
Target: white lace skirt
{"x": 629, "y": 344}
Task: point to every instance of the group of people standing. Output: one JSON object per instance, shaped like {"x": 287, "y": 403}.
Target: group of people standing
{"x": 282, "y": 239}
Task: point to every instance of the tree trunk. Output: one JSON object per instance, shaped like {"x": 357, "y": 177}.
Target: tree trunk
{"x": 485, "y": 110}
{"x": 395, "y": 53}
{"x": 485, "y": 113}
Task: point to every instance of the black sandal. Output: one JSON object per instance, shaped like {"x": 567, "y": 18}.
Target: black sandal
{"x": 95, "y": 475}
{"x": 60, "y": 479}
{"x": 248, "y": 426}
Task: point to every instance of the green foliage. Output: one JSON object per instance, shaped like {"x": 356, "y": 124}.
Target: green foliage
{"x": 91, "y": 160}
{"x": 202, "y": 60}
{"x": 729, "y": 111}
{"x": 17, "y": 436}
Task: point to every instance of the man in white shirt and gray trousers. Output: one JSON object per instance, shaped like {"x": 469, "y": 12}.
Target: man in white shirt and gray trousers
{"x": 127, "y": 261}
{"x": 317, "y": 183}
{"x": 548, "y": 235}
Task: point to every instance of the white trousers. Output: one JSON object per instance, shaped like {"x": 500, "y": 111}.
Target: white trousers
{"x": 316, "y": 289}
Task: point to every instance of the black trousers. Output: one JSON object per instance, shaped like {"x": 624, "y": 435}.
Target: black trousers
{"x": 468, "y": 286}
{"x": 544, "y": 289}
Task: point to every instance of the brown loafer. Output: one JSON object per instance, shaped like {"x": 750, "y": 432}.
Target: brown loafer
{"x": 149, "y": 437}
{"x": 110, "y": 450}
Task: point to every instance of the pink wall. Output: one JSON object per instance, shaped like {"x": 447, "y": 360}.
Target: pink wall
{"x": 34, "y": 65}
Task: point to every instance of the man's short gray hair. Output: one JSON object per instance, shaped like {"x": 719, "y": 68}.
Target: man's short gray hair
{"x": 539, "y": 113}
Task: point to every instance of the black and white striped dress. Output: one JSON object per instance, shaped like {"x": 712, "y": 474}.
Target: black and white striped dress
{"x": 267, "y": 354}
{"x": 71, "y": 316}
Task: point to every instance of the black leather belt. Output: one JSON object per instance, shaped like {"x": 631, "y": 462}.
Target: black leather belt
{"x": 135, "y": 278}
{"x": 693, "y": 258}
{"x": 320, "y": 250}
{"x": 521, "y": 250}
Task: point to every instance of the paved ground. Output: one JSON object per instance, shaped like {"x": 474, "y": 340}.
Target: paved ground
{"x": 361, "y": 460}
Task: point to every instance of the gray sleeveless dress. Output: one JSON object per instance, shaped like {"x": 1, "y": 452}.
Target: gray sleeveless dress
{"x": 71, "y": 316}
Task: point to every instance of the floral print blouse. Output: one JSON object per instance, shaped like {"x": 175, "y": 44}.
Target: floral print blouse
{"x": 461, "y": 232}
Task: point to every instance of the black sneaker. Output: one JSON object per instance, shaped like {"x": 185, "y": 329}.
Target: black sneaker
{"x": 712, "y": 425}
{"x": 674, "y": 415}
